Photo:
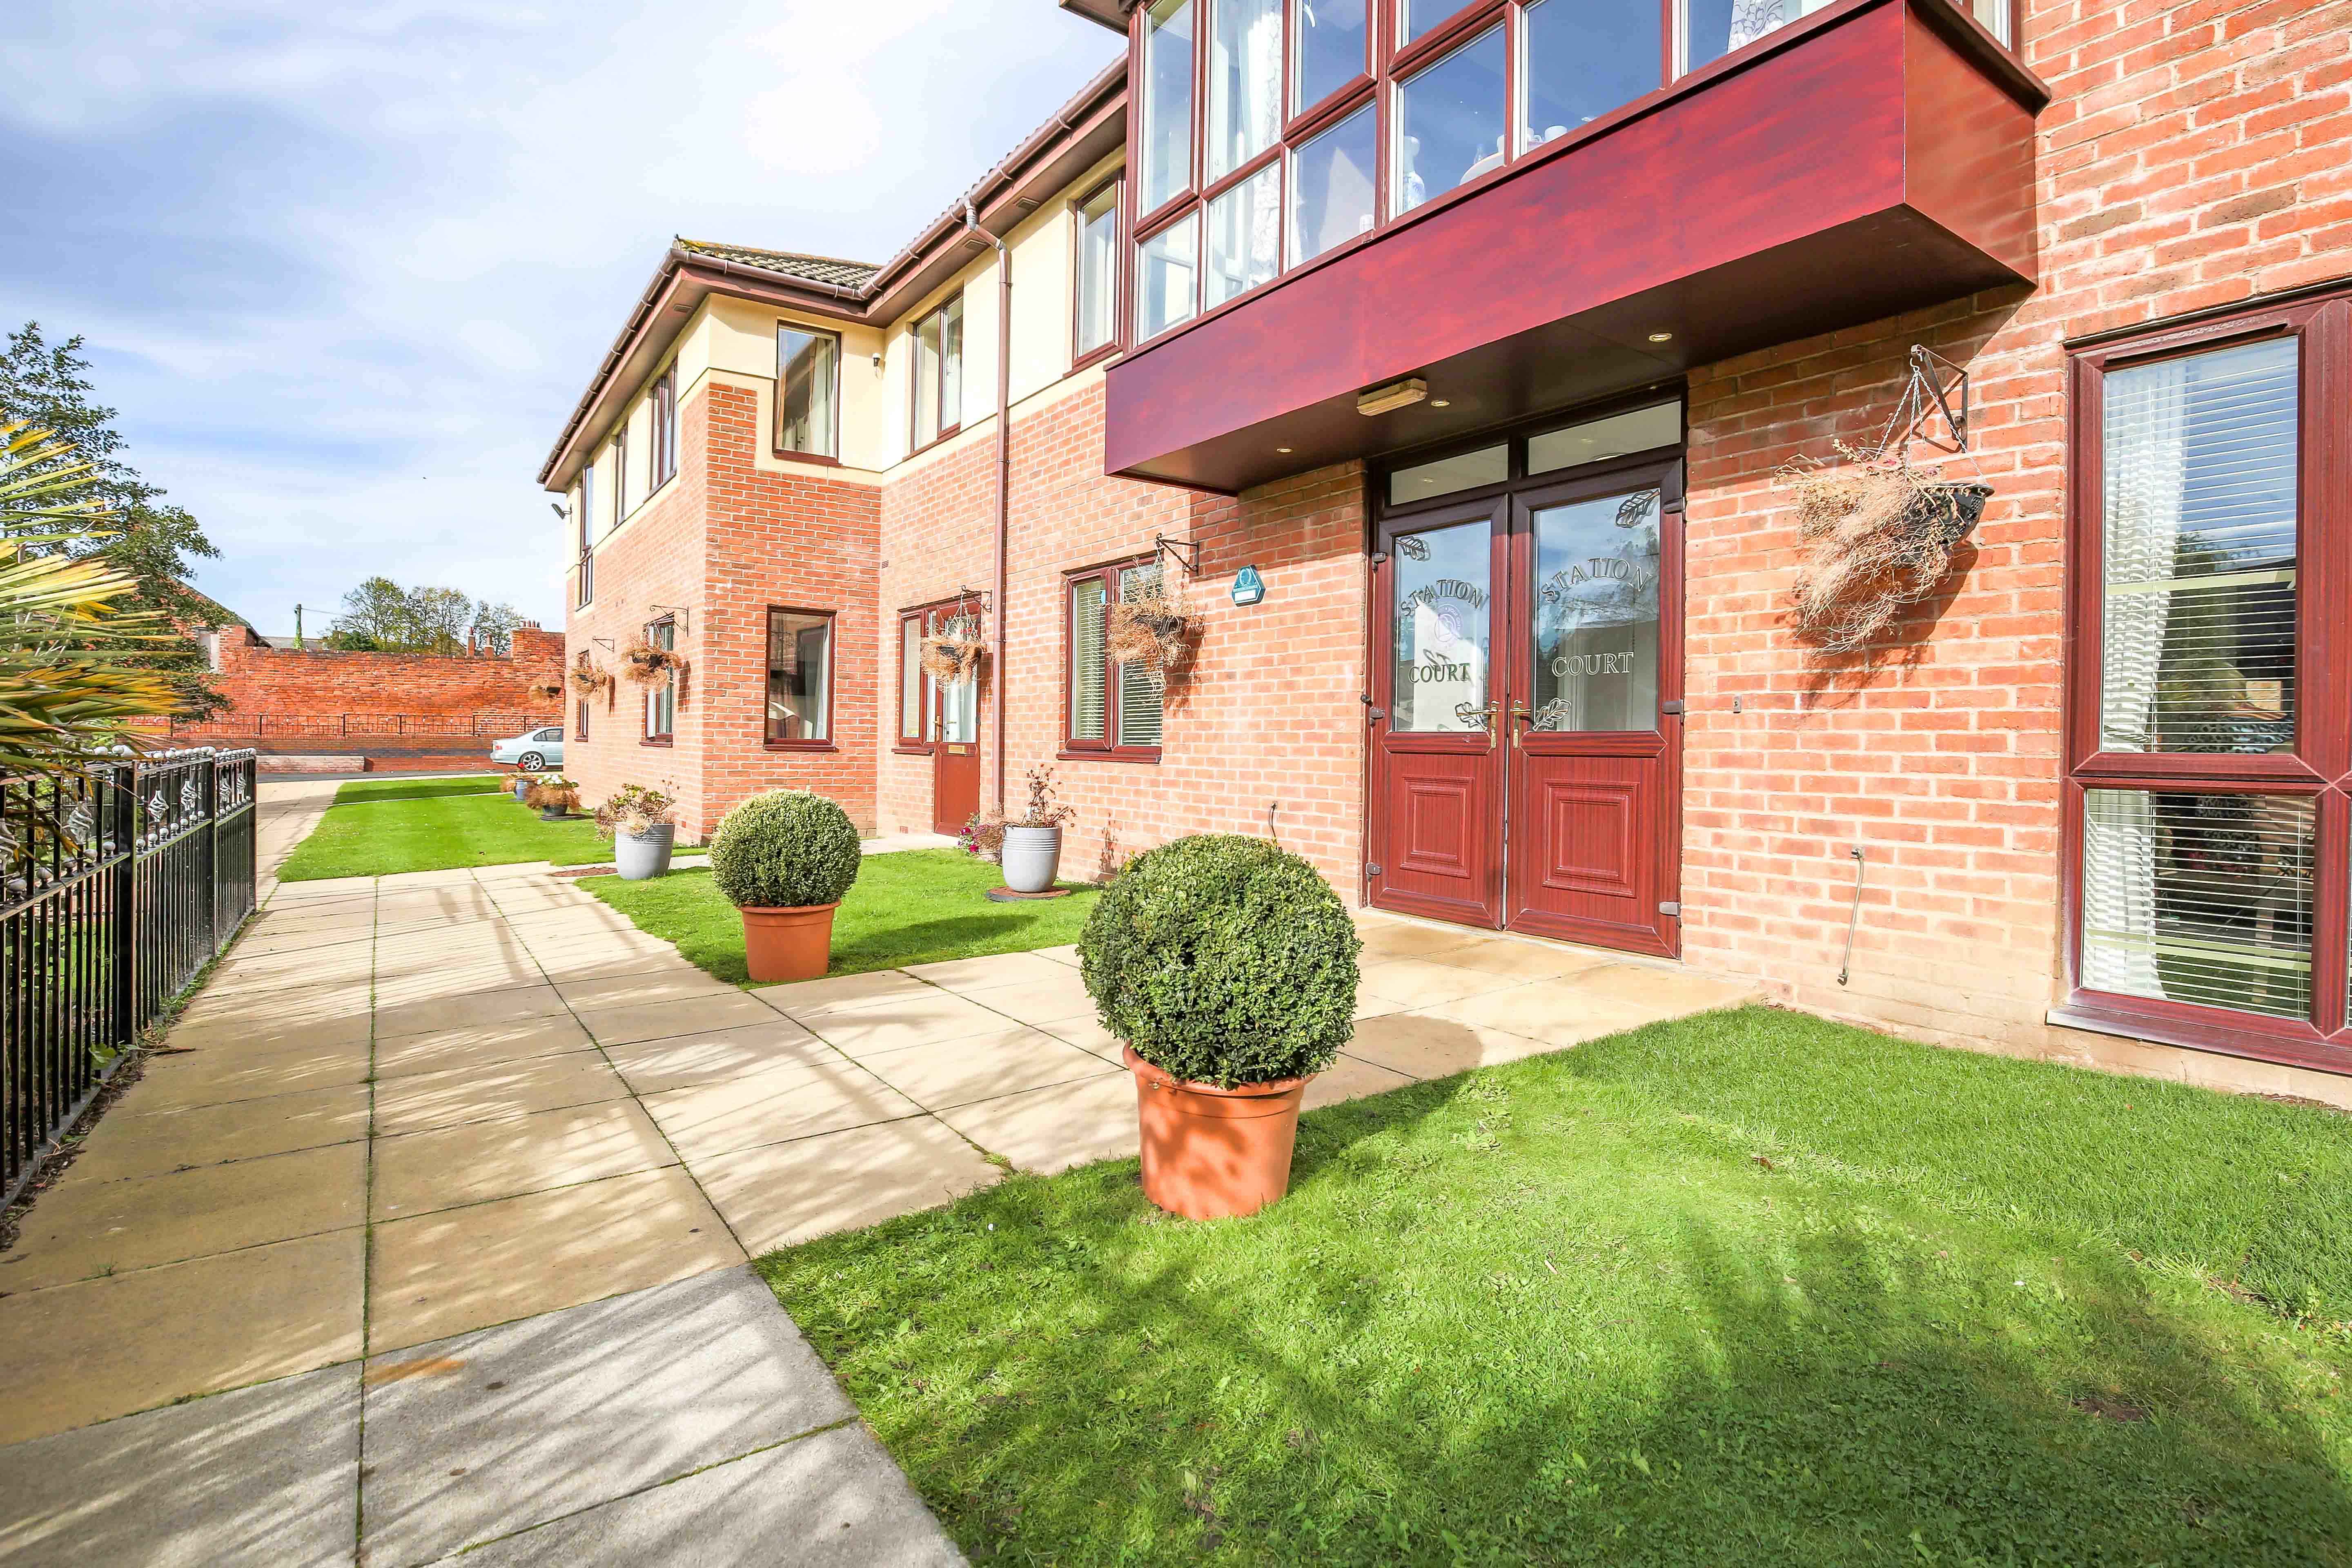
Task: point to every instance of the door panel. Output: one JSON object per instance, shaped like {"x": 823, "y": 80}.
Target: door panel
{"x": 955, "y": 759}
{"x": 1437, "y": 773}
{"x": 1595, "y": 573}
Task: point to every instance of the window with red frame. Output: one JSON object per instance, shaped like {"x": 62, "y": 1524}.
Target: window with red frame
{"x": 800, "y": 677}
{"x": 664, "y": 403}
{"x": 2209, "y": 745}
{"x": 1111, "y": 709}
{"x": 661, "y": 702}
{"x": 1268, "y": 133}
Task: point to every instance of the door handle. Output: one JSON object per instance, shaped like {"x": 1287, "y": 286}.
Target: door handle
{"x": 1482, "y": 717}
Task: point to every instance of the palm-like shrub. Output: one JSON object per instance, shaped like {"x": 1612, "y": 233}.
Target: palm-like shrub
{"x": 785, "y": 849}
{"x": 69, "y": 687}
{"x": 1224, "y": 960}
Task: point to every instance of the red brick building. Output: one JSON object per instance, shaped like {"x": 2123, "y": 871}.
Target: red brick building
{"x": 1480, "y": 337}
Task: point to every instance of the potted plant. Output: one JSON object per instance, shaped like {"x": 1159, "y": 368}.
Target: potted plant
{"x": 523, "y": 784}
{"x": 556, "y": 797}
{"x": 1228, "y": 967}
{"x": 784, "y": 859}
{"x": 1029, "y": 846}
{"x": 1880, "y": 531}
{"x": 637, "y": 820}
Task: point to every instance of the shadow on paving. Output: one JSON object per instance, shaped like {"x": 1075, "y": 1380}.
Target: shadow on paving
{"x": 1442, "y": 1348}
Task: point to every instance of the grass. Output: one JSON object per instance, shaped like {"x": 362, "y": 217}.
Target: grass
{"x": 911, "y": 906}
{"x": 1749, "y": 1288}
{"x": 378, "y": 827}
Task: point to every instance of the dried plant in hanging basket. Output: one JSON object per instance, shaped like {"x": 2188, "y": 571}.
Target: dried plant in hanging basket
{"x": 1154, "y": 629}
{"x": 1880, "y": 532}
{"x": 641, "y": 664}
{"x": 586, "y": 680}
{"x": 951, "y": 657}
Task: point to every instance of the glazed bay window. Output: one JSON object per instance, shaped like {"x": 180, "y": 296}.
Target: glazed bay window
{"x": 1244, "y": 69}
{"x": 808, "y": 391}
{"x": 1095, "y": 326}
{"x": 1583, "y": 58}
{"x": 800, "y": 677}
{"x": 1163, "y": 281}
{"x": 1113, "y": 709}
{"x": 938, "y": 373}
{"x": 1331, "y": 186}
{"x": 1245, "y": 236}
{"x": 1449, "y": 120}
{"x": 661, "y": 702}
{"x": 2209, "y": 742}
{"x": 1164, "y": 146}
{"x": 1330, "y": 51}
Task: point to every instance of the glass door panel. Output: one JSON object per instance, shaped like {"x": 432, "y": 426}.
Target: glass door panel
{"x": 1443, "y": 580}
{"x": 1594, "y": 614}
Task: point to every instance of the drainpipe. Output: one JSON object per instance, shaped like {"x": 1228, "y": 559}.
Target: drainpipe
{"x": 1003, "y": 468}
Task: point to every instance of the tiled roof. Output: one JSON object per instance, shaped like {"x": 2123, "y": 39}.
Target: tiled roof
{"x": 855, "y": 275}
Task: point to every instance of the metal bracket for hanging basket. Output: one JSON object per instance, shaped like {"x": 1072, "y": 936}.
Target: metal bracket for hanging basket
{"x": 1926, "y": 389}
{"x": 680, "y": 611}
{"x": 1163, "y": 547}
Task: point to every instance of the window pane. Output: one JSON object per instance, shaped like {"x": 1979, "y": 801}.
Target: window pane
{"x": 2198, "y": 632}
{"x": 1244, "y": 81}
{"x": 661, "y": 702}
{"x": 1331, "y": 186}
{"x": 585, "y": 518}
{"x": 1245, "y": 230}
{"x": 911, "y": 679}
{"x": 1585, "y": 57}
{"x": 2198, "y": 898}
{"x": 1329, "y": 48}
{"x": 1167, "y": 142}
{"x": 1449, "y": 121}
{"x": 1164, "y": 284}
{"x": 1639, "y": 431}
{"x": 1486, "y": 466}
{"x": 1441, "y": 579}
{"x": 952, "y": 363}
{"x": 927, "y": 379}
{"x": 1097, "y": 280}
{"x": 1596, "y": 613}
{"x": 1089, "y": 606}
{"x": 808, "y": 366}
{"x": 1994, "y": 15}
{"x": 800, "y": 647}
{"x": 1415, "y": 18}
{"x": 1713, "y": 28}
{"x": 1139, "y": 686}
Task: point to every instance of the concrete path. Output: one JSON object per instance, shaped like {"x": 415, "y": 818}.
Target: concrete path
{"x": 463, "y": 1163}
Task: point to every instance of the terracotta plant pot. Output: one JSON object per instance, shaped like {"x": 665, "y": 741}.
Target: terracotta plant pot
{"x": 788, "y": 943}
{"x": 1210, "y": 1152}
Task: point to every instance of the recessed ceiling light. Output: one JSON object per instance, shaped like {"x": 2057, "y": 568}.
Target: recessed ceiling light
{"x": 1439, "y": 402}
{"x": 1283, "y": 449}
{"x": 1662, "y": 337}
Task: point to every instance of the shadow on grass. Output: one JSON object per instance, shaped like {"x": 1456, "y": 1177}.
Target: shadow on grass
{"x": 420, "y": 789}
{"x": 1429, "y": 1354}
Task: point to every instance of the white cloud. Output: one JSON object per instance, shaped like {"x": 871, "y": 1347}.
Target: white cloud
{"x": 346, "y": 269}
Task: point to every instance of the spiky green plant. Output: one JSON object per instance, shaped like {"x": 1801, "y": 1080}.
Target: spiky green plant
{"x": 68, "y": 689}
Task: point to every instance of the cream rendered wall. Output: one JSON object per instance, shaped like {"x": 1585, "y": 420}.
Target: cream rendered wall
{"x": 738, "y": 338}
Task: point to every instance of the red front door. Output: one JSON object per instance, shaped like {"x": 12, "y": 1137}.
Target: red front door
{"x": 1526, "y": 755}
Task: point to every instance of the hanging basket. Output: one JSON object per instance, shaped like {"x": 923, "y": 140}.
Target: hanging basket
{"x": 586, "y": 680}
{"x": 546, "y": 690}
{"x": 1879, "y": 535}
{"x": 952, "y": 658}
{"x": 641, "y": 664}
{"x": 1154, "y": 629}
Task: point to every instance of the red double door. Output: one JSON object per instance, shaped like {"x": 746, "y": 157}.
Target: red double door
{"x": 1526, "y": 752}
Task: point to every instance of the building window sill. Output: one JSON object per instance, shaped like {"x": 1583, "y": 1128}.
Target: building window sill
{"x": 798, "y": 746}
{"x": 2287, "y": 1043}
{"x": 1113, "y": 755}
{"x": 657, "y": 741}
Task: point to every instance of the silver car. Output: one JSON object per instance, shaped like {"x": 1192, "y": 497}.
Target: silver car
{"x": 533, "y": 751}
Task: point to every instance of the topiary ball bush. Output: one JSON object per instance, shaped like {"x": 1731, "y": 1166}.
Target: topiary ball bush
{"x": 785, "y": 849}
{"x": 1224, "y": 960}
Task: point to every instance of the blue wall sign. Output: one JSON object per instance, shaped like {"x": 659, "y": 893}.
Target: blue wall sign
{"x": 1248, "y": 587}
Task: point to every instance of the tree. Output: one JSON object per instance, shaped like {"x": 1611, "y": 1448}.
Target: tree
{"x": 45, "y": 387}
{"x": 494, "y": 628}
{"x": 74, "y": 670}
{"x": 382, "y": 616}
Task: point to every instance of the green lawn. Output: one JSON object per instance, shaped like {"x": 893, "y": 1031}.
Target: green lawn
{"x": 911, "y": 906}
{"x": 379, "y": 826}
{"x": 1749, "y": 1288}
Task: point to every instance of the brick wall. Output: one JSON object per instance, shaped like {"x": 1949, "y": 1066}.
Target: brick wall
{"x": 2194, "y": 156}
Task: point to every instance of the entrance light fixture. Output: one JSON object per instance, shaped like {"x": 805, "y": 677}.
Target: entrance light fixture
{"x": 1395, "y": 395}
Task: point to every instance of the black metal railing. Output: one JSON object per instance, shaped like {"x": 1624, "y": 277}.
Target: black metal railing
{"x": 117, "y": 885}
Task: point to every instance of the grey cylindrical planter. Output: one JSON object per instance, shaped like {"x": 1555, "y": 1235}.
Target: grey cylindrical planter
{"x": 522, "y": 788}
{"x": 1031, "y": 856}
{"x": 640, "y": 856}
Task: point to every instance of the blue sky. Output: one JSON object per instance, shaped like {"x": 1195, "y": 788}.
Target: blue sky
{"x": 345, "y": 269}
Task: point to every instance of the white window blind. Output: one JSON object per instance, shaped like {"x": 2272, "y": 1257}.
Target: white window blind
{"x": 1139, "y": 687}
{"x": 1089, "y": 605}
{"x": 2197, "y": 635}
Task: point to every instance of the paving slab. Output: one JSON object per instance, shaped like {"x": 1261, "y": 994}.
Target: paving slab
{"x": 1351, "y": 1078}
{"x": 461, "y": 1012}
{"x": 957, "y": 1072}
{"x": 464, "y": 1268}
{"x": 969, "y": 974}
{"x": 895, "y": 1022}
{"x": 651, "y": 1067}
{"x": 621, "y": 1025}
{"x": 130, "y": 1141}
{"x": 267, "y": 1475}
{"x": 86, "y": 1227}
{"x": 801, "y": 998}
{"x": 86, "y": 1353}
{"x": 421, "y": 1172}
{"x": 1423, "y": 983}
{"x": 480, "y": 1434}
{"x": 780, "y": 1195}
{"x": 1043, "y": 1001}
{"x": 1049, "y": 1130}
{"x": 671, "y": 984}
{"x": 1559, "y": 1013}
{"x": 769, "y": 1107}
{"x": 836, "y": 1497}
{"x": 1422, "y": 1044}
{"x": 494, "y": 1090}
{"x": 446, "y": 1050}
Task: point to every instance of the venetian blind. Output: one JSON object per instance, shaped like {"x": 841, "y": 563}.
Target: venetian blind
{"x": 1089, "y": 605}
{"x": 2198, "y": 642}
{"x": 1139, "y": 686}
